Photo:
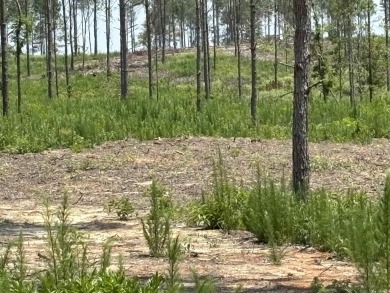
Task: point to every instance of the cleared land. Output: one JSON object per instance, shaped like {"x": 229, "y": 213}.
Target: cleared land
{"x": 184, "y": 165}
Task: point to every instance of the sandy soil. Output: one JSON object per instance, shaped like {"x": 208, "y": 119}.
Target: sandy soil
{"x": 184, "y": 165}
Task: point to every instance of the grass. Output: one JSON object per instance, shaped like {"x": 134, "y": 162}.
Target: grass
{"x": 94, "y": 113}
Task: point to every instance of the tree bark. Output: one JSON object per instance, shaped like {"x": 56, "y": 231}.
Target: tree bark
{"x": 66, "y": 47}
{"x": 198, "y": 49}
{"x": 238, "y": 45}
{"x": 75, "y": 28}
{"x": 27, "y": 41}
{"x": 275, "y": 44}
{"x": 253, "y": 62}
{"x": 149, "y": 41}
{"x": 18, "y": 53}
{"x": 205, "y": 49}
{"x": 95, "y": 28}
{"x": 122, "y": 21}
{"x": 300, "y": 152}
{"x": 49, "y": 50}
{"x": 386, "y": 9}
{"x": 71, "y": 35}
{"x": 4, "y": 59}
{"x": 370, "y": 80}
{"x": 108, "y": 36}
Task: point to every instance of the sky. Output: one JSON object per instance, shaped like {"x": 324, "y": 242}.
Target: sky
{"x": 140, "y": 19}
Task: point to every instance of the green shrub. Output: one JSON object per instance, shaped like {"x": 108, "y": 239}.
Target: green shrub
{"x": 156, "y": 226}
{"x": 223, "y": 208}
{"x": 122, "y": 207}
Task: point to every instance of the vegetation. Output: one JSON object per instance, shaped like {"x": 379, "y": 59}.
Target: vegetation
{"x": 276, "y": 91}
{"x": 93, "y": 114}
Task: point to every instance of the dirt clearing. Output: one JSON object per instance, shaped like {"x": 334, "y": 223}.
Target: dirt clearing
{"x": 184, "y": 166}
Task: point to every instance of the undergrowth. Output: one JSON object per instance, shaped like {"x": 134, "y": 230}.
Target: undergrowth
{"x": 352, "y": 226}
{"x": 94, "y": 113}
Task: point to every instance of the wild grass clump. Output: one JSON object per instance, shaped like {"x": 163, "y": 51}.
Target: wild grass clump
{"x": 223, "y": 207}
{"x": 157, "y": 227}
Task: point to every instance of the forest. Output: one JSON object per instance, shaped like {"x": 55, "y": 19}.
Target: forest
{"x": 195, "y": 146}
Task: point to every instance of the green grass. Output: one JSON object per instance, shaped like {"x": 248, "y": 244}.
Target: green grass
{"x": 95, "y": 113}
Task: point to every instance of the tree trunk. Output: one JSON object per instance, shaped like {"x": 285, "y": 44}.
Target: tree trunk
{"x": 205, "y": 56}
{"x": 253, "y": 61}
{"x": 66, "y": 48}
{"x": 122, "y": 21}
{"x": 238, "y": 45}
{"x": 156, "y": 67}
{"x": 351, "y": 69}
{"x": 275, "y": 44}
{"x": 49, "y": 50}
{"x": 83, "y": 33}
{"x": 300, "y": 153}
{"x": 18, "y": 53}
{"x": 370, "y": 83}
{"x": 108, "y": 35}
{"x": 163, "y": 33}
{"x": 149, "y": 41}
{"x": 386, "y": 8}
{"x": 27, "y": 41}
{"x": 75, "y": 28}
{"x": 55, "y": 50}
{"x": 4, "y": 59}
{"x": 95, "y": 28}
{"x": 71, "y": 35}
{"x": 214, "y": 38}
{"x": 198, "y": 49}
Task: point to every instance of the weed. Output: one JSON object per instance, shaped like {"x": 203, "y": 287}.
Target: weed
{"x": 205, "y": 285}
{"x": 156, "y": 226}
{"x": 122, "y": 207}
{"x": 223, "y": 208}
{"x": 174, "y": 253}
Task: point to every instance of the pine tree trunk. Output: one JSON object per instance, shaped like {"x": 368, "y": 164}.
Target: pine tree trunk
{"x": 49, "y": 50}
{"x": 370, "y": 83}
{"x": 55, "y": 50}
{"x": 66, "y": 47}
{"x": 198, "y": 49}
{"x": 71, "y": 35}
{"x": 163, "y": 28}
{"x": 18, "y": 53}
{"x": 75, "y": 28}
{"x": 386, "y": 9}
{"x": 204, "y": 47}
{"x": 149, "y": 41}
{"x": 95, "y": 28}
{"x": 27, "y": 41}
{"x": 214, "y": 38}
{"x": 238, "y": 45}
{"x": 275, "y": 45}
{"x": 253, "y": 61}
{"x": 300, "y": 153}
{"x": 351, "y": 70}
{"x": 4, "y": 59}
{"x": 108, "y": 35}
{"x": 122, "y": 22}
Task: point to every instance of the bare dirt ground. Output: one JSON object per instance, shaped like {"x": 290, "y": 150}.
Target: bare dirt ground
{"x": 184, "y": 165}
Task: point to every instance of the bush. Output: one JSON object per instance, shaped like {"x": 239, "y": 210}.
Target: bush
{"x": 223, "y": 208}
{"x": 156, "y": 226}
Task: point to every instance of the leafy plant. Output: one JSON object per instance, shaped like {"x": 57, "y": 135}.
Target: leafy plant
{"x": 122, "y": 207}
{"x": 172, "y": 282}
{"x": 204, "y": 285}
{"x": 156, "y": 226}
{"x": 223, "y": 208}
